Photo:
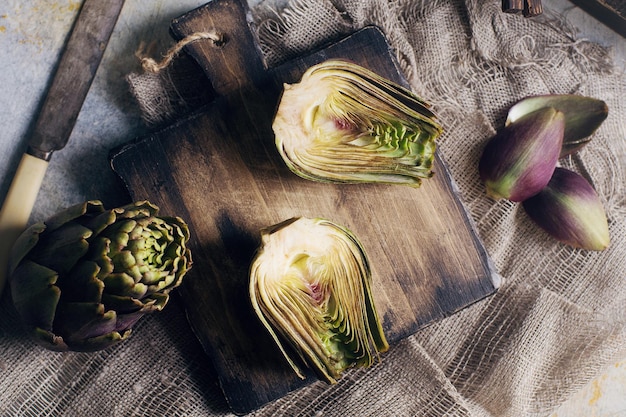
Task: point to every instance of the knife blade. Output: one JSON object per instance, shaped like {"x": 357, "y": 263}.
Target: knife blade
{"x": 54, "y": 124}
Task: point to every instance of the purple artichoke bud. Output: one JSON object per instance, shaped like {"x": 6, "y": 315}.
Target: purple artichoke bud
{"x": 583, "y": 115}
{"x": 569, "y": 210}
{"x": 519, "y": 161}
{"x": 83, "y": 278}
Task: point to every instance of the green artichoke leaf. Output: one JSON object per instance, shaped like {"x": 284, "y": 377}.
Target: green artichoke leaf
{"x": 81, "y": 284}
{"x": 137, "y": 210}
{"x": 48, "y": 339}
{"x": 24, "y": 244}
{"x": 88, "y": 209}
{"x": 61, "y": 247}
{"x": 78, "y": 321}
{"x": 343, "y": 123}
{"x": 102, "y": 342}
{"x": 310, "y": 286}
{"x": 99, "y": 222}
{"x": 99, "y": 249}
{"x": 125, "y": 304}
{"x": 35, "y": 296}
{"x": 180, "y": 228}
{"x": 124, "y": 285}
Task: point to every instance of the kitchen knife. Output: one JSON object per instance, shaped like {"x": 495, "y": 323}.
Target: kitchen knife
{"x": 72, "y": 79}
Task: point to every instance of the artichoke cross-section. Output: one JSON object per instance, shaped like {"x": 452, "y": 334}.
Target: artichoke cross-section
{"x": 310, "y": 286}
{"x": 343, "y": 123}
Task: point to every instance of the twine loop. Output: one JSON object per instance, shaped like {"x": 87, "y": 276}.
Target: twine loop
{"x": 150, "y": 65}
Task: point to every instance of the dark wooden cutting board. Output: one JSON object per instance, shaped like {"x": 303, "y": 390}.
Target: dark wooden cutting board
{"x": 220, "y": 171}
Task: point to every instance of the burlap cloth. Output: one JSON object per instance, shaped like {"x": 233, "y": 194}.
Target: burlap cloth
{"x": 556, "y": 323}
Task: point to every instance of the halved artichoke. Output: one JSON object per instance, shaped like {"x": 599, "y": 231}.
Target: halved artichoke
{"x": 343, "y": 123}
{"x": 310, "y": 285}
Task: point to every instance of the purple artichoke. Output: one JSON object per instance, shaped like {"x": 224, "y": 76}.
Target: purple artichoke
{"x": 519, "y": 161}
{"x": 569, "y": 210}
{"x": 583, "y": 116}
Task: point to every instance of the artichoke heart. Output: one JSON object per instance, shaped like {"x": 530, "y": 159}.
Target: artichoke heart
{"x": 310, "y": 285}
{"x": 343, "y": 123}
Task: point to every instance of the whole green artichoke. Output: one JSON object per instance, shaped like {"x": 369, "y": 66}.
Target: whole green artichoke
{"x": 82, "y": 279}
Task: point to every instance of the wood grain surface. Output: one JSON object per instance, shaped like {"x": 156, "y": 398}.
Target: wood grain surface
{"x": 220, "y": 171}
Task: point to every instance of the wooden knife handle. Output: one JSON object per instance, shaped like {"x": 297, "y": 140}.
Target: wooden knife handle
{"x": 17, "y": 207}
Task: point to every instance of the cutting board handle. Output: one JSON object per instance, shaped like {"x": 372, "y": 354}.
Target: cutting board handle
{"x": 236, "y": 63}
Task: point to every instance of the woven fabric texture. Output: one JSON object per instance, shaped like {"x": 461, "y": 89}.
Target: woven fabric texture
{"x": 556, "y": 322}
